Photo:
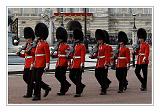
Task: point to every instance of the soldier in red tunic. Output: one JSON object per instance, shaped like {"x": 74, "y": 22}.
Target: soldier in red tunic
{"x": 143, "y": 58}
{"x": 42, "y": 59}
{"x": 62, "y": 62}
{"x": 123, "y": 60}
{"x": 29, "y": 59}
{"x": 103, "y": 59}
{"x": 77, "y": 63}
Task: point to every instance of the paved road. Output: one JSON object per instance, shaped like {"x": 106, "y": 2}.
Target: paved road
{"x": 16, "y": 89}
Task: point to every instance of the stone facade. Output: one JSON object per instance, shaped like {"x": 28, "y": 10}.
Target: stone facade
{"x": 110, "y": 19}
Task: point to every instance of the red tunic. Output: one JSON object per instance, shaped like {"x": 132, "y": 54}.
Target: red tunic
{"x": 123, "y": 57}
{"x": 61, "y": 54}
{"x": 29, "y": 57}
{"x": 103, "y": 56}
{"x": 143, "y": 54}
{"x": 78, "y": 55}
{"x": 42, "y": 54}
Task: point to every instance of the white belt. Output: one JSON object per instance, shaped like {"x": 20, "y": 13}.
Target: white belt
{"x": 75, "y": 57}
{"x": 141, "y": 54}
{"x": 26, "y": 57}
{"x": 60, "y": 55}
{"x": 121, "y": 57}
{"x": 100, "y": 56}
{"x": 40, "y": 55}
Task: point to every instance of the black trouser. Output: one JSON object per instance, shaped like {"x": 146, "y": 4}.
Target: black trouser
{"x": 60, "y": 75}
{"x": 28, "y": 78}
{"x": 101, "y": 75}
{"x": 143, "y": 79}
{"x": 126, "y": 81}
{"x": 121, "y": 76}
{"x": 76, "y": 77}
{"x": 38, "y": 72}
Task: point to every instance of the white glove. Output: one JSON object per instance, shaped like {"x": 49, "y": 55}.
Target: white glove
{"x": 82, "y": 65}
{"x": 128, "y": 66}
{"x": 47, "y": 67}
{"x": 144, "y": 60}
{"x": 31, "y": 67}
{"x": 105, "y": 66}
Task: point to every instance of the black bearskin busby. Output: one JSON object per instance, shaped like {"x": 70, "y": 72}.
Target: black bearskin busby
{"x": 41, "y": 30}
{"x": 106, "y": 37}
{"x": 78, "y": 34}
{"x": 141, "y": 33}
{"x": 100, "y": 35}
{"x": 29, "y": 33}
{"x": 61, "y": 33}
{"x": 122, "y": 37}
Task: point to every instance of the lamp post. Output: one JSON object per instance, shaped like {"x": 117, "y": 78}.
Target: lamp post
{"x": 47, "y": 18}
{"x": 85, "y": 22}
{"x": 134, "y": 29}
{"x": 61, "y": 14}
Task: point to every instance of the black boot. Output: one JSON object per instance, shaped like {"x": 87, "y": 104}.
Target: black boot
{"x": 67, "y": 88}
{"x": 36, "y": 98}
{"x": 27, "y": 96}
{"x": 47, "y": 91}
{"x": 120, "y": 91}
{"x": 143, "y": 88}
{"x": 60, "y": 94}
{"x": 82, "y": 88}
{"x": 103, "y": 91}
{"x": 108, "y": 84}
{"x": 125, "y": 86}
{"x": 77, "y": 95}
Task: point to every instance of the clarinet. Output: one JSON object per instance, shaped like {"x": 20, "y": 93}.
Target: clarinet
{"x": 135, "y": 48}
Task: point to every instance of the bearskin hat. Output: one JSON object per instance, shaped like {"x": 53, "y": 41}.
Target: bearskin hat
{"x": 78, "y": 34}
{"x": 141, "y": 33}
{"x": 100, "y": 35}
{"x": 106, "y": 37}
{"x": 29, "y": 33}
{"x": 41, "y": 30}
{"x": 122, "y": 37}
{"x": 61, "y": 33}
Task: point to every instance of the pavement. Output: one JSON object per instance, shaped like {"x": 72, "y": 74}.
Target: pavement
{"x": 133, "y": 95}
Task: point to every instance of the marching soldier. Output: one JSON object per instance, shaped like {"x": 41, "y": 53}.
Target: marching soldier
{"x": 29, "y": 59}
{"x": 62, "y": 62}
{"x": 77, "y": 63}
{"x": 123, "y": 60}
{"x": 143, "y": 58}
{"x": 42, "y": 59}
{"x": 103, "y": 59}
{"x": 110, "y": 51}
